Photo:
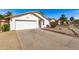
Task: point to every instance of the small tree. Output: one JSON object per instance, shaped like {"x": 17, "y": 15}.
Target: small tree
{"x": 53, "y": 24}
{"x": 63, "y": 18}
{"x": 72, "y": 18}
{"x": 8, "y": 13}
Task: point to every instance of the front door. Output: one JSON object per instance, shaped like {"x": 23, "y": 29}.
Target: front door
{"x": 41, "y": 23}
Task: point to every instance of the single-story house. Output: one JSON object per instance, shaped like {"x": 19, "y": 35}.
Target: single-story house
{"x": 29, "y": 20}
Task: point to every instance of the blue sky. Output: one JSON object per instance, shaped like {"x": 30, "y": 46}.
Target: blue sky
{"x": 52, "y": 13}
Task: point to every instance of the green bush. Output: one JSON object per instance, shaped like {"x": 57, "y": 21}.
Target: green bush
{"x": 5, "y": 27}
{"x": 0, "y": 26}
{"x": 53, "y": 24}
{"x": 76, "y": 21}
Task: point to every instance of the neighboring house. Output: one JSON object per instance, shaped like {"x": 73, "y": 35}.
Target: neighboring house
{"x": 68, "y": 22}
{"x": 60, "y": 23}
{"x": 51, "y": 19}
{"x": 4, "y": 21}
{"x": 30, "y": 20}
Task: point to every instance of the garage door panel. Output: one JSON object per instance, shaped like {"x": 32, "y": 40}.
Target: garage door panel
{"x": 25, "y": 25}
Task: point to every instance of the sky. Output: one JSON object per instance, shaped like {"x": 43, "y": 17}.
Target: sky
{"x": 51, "y": 13}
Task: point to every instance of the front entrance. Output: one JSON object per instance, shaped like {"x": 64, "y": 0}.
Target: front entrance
{"x": 41, "y": 23}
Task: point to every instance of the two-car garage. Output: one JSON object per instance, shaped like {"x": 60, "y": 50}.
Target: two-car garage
{"x": 25, "y": 24}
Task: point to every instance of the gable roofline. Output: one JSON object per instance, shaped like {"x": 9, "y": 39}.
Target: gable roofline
{"x": 34, "y": 13}
{"x": 23, "y": 14}
{"x": 19, "y": 15}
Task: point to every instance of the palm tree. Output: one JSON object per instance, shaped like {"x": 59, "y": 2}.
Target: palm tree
{"x": 8, "y": 13}
{"x": 7, "y": 16}
{"x": 63, "y": 18}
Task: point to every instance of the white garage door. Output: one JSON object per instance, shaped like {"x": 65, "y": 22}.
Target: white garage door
{"x": 23, "y": 24}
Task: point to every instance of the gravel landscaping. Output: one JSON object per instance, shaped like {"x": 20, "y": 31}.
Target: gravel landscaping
{"x": 62, "y": 30}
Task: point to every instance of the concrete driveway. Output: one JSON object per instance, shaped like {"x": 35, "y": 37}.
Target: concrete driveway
{"x": 9, "y": 41}
{"x": 37, "y": 39}
{"x": 46, "y": 40}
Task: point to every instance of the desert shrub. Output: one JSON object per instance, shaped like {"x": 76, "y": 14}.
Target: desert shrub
{"x": 5, "y": 27}
{"x": 76, "y": 22}
{"x": 53, "y": 24}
